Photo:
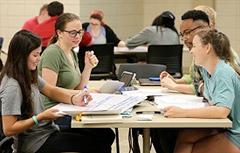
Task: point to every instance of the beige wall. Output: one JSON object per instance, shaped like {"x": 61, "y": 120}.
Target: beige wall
{"x": 228, "y": 20}
{"x": 126, "y": 17}
{"x": 13, "y": 13}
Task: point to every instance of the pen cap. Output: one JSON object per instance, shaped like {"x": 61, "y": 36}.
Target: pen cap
{"x": 85, "y": 89}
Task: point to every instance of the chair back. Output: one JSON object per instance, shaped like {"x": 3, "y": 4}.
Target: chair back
{"x": 169, "y": 55}
{"x": 142, "y": 70}
{"x": 1, "y": 42}
{"x": 104, "y": 53}
{"x": 5, "y": 142}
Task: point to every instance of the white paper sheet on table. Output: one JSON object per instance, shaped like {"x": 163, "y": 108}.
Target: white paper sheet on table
{"x": 180, "y": 100}
{"x": 102, "y": 104}
{"x": 146, "y": 92}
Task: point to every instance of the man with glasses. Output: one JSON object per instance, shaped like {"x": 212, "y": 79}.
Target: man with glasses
{"x": 192, "y": 21}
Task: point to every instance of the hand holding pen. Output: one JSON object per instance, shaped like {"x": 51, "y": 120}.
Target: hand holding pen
{"x": 85, "y": 90}
{"x": 82, "y": 98}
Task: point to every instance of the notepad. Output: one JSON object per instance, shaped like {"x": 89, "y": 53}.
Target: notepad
{"x": 180, "y": 100}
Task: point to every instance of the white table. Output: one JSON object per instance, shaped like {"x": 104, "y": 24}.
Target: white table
{"x": 158, "y": 121}
{"x": 126, "y": 50}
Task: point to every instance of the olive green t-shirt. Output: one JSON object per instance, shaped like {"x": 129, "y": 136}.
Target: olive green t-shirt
{"x": 55, "y": 59}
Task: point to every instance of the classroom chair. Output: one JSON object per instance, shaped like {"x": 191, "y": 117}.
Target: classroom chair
{"x": 169, "y": 55}
{"x": 5, "y": 142}
{"x": 105, "y": 68}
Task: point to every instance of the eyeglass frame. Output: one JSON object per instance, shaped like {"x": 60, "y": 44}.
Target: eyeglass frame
{"x": 188, "y": 32}
{"x": 80, "y": 32}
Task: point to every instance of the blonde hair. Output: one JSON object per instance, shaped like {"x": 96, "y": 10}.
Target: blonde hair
{"x": 220, "y": 44}
{"x": 210, "y": 12}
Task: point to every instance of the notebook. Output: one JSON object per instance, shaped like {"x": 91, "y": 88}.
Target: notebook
{"x": 147, "y": 82}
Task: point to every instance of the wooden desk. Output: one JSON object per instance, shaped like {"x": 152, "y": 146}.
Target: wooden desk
{"x": 158, "y": 121}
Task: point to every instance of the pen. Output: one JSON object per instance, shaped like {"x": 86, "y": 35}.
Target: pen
{"x": 85, "y": 97}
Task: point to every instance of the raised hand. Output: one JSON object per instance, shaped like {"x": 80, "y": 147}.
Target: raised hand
{"x": 91, "y": 60}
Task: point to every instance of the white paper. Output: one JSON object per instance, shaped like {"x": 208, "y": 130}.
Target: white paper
{"x": 146, "y": 92}
{"x": 180, "y": 100}
{"x": 102, "y": 104}
{"x": 142, "y": 49}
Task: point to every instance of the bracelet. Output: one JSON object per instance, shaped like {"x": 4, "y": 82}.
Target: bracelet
{"x": 72, "y": 99}
{"x": 35, "y": 120}
{"x": 200, "y": 87}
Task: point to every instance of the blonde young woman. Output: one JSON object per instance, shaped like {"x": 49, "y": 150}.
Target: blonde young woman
{"x": 211, "y": 51}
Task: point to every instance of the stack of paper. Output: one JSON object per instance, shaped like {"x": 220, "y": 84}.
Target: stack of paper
{"x": 102, "y": 104}
{"x": 180, "y": 100}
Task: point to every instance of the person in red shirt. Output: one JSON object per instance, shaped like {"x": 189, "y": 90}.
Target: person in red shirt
{"x": 47, "y": 28}
{"x": 31, "y": 23}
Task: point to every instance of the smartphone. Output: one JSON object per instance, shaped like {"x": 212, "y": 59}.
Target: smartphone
{"x": 127, "y": 77}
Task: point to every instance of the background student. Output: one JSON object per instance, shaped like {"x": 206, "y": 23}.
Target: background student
{"x": 101, "y": 33}
{"x": 161, "y": 32}
{"x": 34, "y": 21}
{"x": 23, "y": 114}
{"x": 46, "y": 29}
{"x": 211, "y": 51}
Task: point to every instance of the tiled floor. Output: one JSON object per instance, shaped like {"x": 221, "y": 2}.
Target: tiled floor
{"x": 123, "y": 138}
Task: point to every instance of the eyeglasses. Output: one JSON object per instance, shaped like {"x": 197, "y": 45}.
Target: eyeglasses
{"x": 189, "y": 32}
{"x": 73, "y": 33}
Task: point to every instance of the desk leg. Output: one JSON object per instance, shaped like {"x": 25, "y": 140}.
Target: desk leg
{"x": 146, "y": 140}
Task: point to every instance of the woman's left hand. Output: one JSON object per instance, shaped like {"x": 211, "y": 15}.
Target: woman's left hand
{"x": 169, "y": 83}
{"x": 91, "y": 60}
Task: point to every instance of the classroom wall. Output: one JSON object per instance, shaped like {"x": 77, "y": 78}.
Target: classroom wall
{"x": 228, "y": 20}
{"x": 13, "y": 13}
{"x": 126, "y": 17}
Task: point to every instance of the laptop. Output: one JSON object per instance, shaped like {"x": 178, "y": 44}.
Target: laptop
{"x": 147, "y": 82}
